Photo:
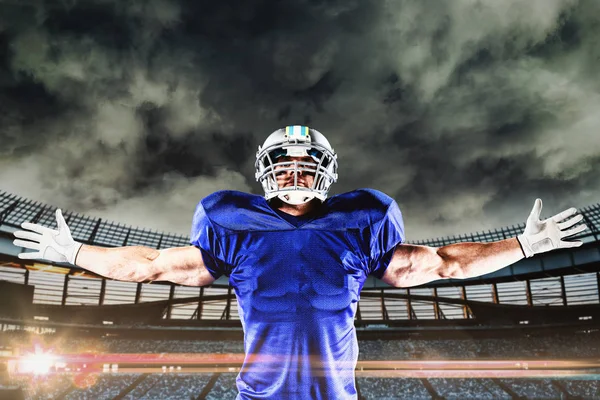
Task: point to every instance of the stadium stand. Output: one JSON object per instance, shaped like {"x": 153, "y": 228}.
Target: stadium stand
{"x": 540, "y": 309}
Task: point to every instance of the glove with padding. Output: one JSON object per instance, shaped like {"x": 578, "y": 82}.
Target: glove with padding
{"x": 51, "y": 245}
{"x": 541, "y": 236}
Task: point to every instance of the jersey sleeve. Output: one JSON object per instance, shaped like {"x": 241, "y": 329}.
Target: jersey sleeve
{"x": 385, "y": 235}
{"x": 204, "y": 236}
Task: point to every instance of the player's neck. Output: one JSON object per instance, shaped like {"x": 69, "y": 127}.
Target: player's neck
{"x": 297, "y": 210}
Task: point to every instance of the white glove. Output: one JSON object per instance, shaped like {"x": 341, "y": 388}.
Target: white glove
{"x": 51, "y": 245}
{"x": 541, "y": 236}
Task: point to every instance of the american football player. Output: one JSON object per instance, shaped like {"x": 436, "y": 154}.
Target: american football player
{"x": 297, "y": 260}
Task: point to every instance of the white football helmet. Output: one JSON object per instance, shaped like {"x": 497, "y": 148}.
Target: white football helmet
{"x": 296, "y": 141}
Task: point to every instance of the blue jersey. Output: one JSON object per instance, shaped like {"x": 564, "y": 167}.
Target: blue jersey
{"x": 297, "y": 281}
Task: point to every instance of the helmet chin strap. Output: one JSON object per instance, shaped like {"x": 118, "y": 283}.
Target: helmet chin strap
{"x": 296, "y": 197}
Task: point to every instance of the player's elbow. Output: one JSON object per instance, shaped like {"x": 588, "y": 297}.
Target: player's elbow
{"x": 140, "y": 264}
{"x": 140, "y": 272}
{"x": 450, "y": 267}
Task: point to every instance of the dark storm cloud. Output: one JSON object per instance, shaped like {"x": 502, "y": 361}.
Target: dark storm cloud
{"x": 463, "y": 111}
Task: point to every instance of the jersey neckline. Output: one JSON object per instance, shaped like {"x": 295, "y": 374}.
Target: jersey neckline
{"x": 297, "y": 221}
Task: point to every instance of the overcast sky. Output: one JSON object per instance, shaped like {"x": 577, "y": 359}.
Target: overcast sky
{"x": 463, "y": 111}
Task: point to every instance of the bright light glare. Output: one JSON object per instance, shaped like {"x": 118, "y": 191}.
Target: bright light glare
{"x": 37, "y": 364}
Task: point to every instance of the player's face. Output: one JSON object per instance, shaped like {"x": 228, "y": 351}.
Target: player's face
{"x": 286, "y": 178}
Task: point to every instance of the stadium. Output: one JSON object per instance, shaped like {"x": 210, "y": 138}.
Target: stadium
{"x": 526, "y": 331}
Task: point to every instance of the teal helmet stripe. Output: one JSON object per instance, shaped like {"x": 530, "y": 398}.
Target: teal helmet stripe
{"x": 297, "y": 131}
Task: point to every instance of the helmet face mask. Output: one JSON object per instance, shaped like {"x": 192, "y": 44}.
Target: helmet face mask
{"x": 299, "y": 142}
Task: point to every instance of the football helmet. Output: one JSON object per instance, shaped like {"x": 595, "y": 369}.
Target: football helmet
{"x": 296, "y": 141}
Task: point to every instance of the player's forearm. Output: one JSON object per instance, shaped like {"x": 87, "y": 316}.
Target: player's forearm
{"x": 467, "y": 260}
{"x": 131, "y": 263}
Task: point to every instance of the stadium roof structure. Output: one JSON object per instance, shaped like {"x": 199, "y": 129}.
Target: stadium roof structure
{"x": 561, "y": 278}
{"x": 14, "y": 210}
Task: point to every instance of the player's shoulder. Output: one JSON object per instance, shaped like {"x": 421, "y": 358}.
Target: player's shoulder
{"x": 223, "y": 200}
{"x": 359, "y": 208}
{"x": 363, "y": 199}
{"x": 232, "y": 209}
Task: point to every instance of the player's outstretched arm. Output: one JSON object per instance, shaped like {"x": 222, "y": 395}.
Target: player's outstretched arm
{"x": 413, "y": 265}
{"x": 181, "y": 265}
